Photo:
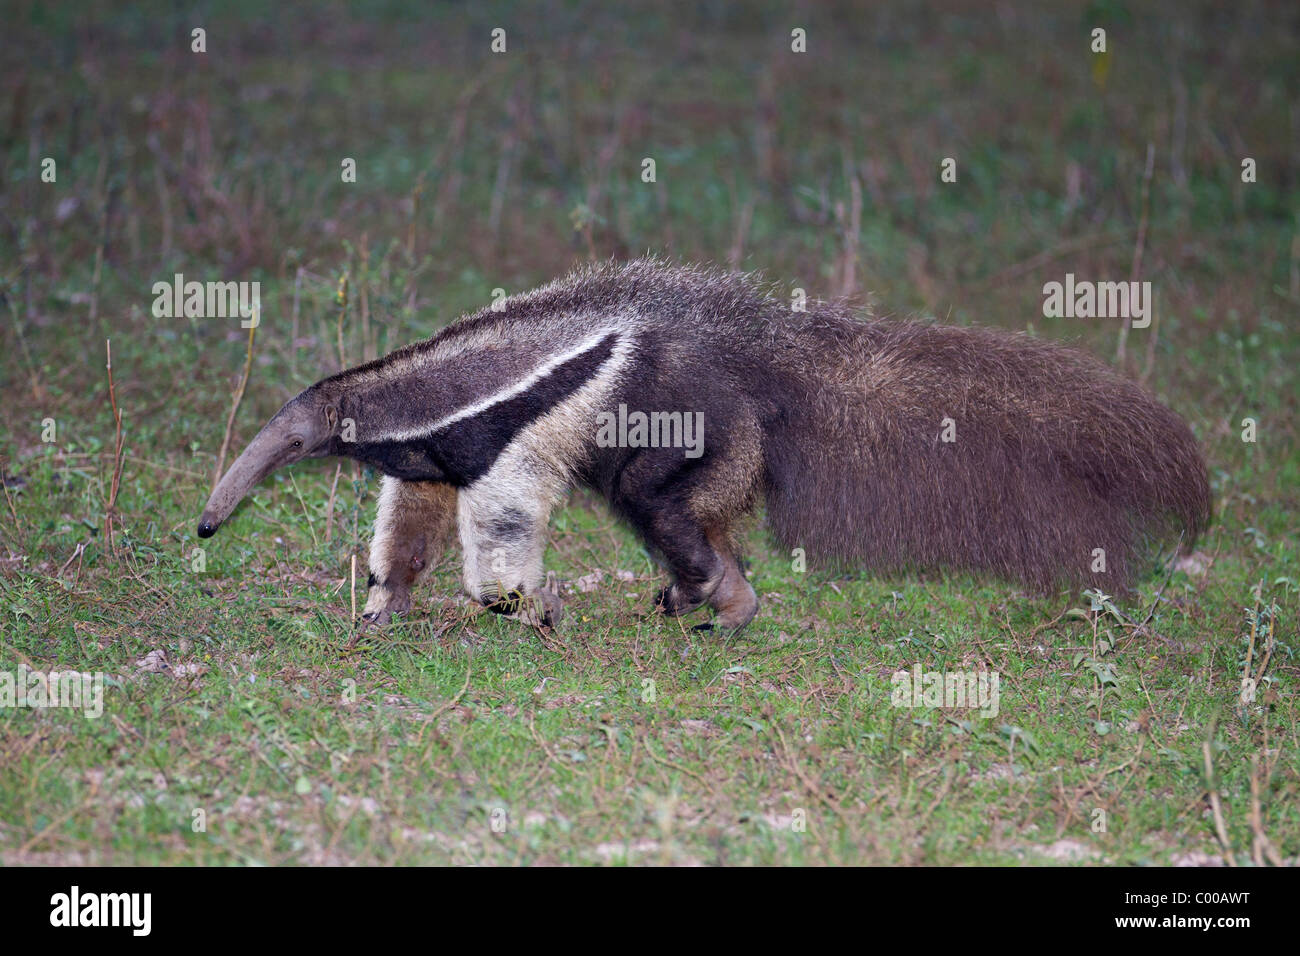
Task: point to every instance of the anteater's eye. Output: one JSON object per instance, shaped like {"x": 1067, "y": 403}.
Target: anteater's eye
{"x": 297, "y": 443}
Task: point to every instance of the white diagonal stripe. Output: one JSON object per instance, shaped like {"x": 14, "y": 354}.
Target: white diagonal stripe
{"x": 535, "y": 376}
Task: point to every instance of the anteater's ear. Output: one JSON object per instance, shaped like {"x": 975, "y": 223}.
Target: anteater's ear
{"x": 331, "y": 417}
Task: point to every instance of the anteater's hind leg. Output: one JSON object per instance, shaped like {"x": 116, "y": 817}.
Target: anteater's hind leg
{"x": 704, "y": 568}
{"x": 416, "y": 521}
{"x": 733, "y": 599}
{"x": 682, "y": 545}
{"x": 685, "y": 510}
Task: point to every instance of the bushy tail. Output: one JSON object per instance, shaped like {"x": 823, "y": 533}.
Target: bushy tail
{"x": 1056, "y": 469}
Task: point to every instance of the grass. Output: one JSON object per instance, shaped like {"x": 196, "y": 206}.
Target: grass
{"x": 265, "y": 733}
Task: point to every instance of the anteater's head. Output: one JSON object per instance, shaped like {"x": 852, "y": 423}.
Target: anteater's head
{"x": 304, "y": 428}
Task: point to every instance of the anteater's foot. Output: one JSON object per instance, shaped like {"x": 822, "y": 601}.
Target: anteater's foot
{"x": 733, "y": 599}
{"x": 541, "y": 608}
{"x": 382, "y": 603}
{"x": 728, "y": 593}
{"x": 678, "y": 599}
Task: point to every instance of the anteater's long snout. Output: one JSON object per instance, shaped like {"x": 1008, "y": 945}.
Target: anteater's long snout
{"x": 257, "y": 461}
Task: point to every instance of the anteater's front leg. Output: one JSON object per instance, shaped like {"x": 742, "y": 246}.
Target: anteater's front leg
{"x": 415, "y": 523}
{"x": 503, "y": 534}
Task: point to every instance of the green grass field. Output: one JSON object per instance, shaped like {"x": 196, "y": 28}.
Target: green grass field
{"x": 243, "y": 719}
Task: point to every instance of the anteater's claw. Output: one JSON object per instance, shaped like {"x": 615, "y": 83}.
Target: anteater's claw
{"x": 541, "y": 608}
{"x": 382, "y": 604}
{"x": 373, "y": 620}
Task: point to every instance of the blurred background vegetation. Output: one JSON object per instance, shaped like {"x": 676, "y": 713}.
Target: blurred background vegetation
{"x": 479, "y": 170}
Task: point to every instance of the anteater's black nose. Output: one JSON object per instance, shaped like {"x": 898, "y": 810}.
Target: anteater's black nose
{"x": 207, "y": 529}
